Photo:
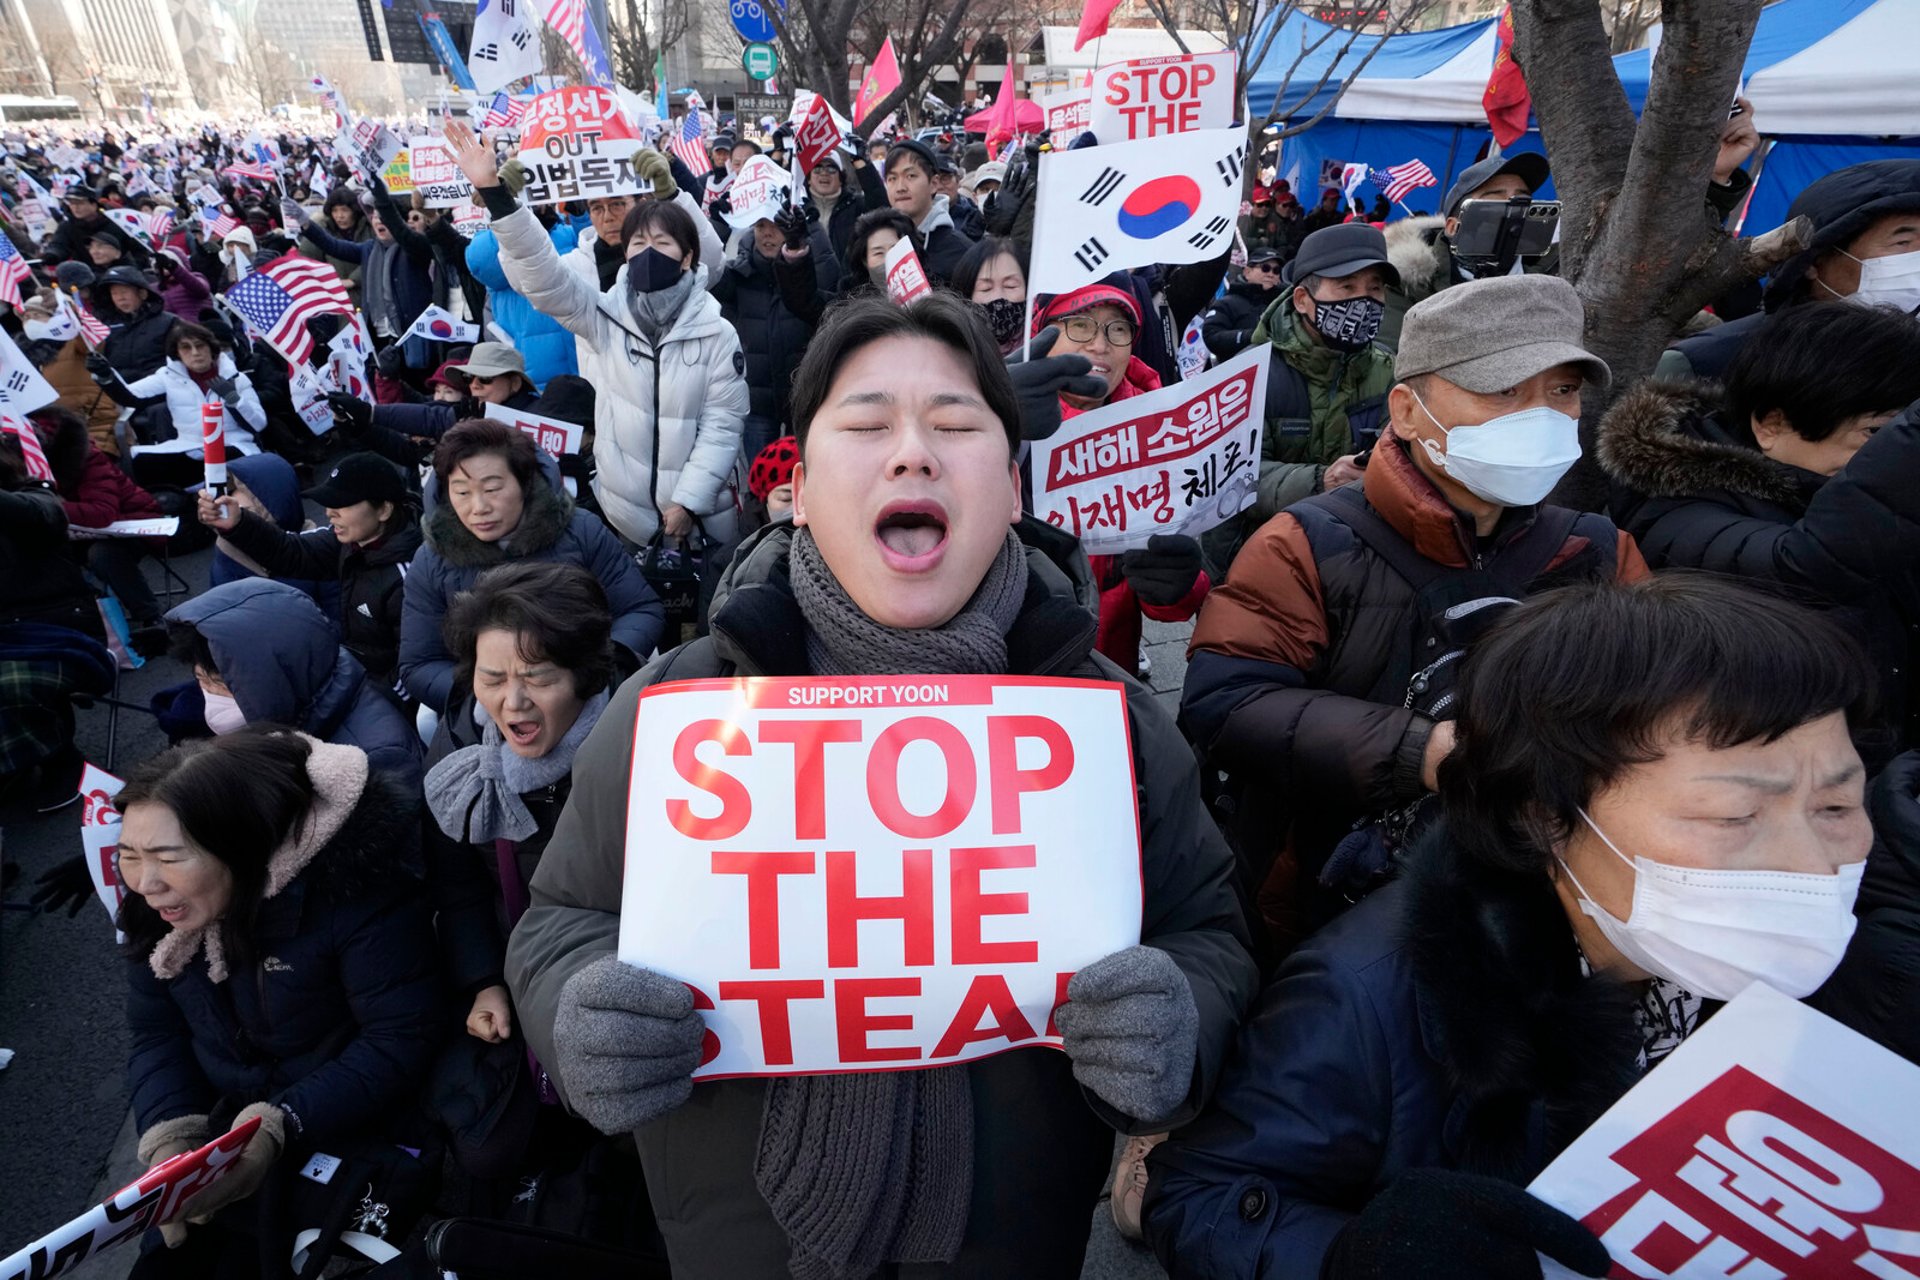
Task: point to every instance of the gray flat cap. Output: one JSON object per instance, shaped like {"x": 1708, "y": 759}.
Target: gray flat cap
{"x": 1488, "y": 335}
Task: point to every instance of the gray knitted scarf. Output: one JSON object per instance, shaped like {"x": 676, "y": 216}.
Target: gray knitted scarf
{"x": 474, "y": 793}
{"x": 877, "y": 1167}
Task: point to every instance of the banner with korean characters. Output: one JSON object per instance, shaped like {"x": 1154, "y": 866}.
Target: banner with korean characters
{"x": 577, "y": 143}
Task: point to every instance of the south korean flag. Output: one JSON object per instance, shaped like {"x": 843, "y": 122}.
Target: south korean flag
{"x": 1129, "y": 204}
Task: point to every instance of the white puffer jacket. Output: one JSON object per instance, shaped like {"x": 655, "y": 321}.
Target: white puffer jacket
{"x": 696, "y": 372}
{"x": 184, "y": 399}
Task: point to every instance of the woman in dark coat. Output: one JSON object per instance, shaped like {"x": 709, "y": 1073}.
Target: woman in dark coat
{"x": 281, "y": 968}
{"x": 1415, "y": 1064}
{"x": 1803, "y": 473}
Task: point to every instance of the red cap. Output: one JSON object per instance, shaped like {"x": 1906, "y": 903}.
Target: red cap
{"x": 1261, "y": 195}
{"x": 1092, "y": 295}
{"x": 773, "y": 467}
{"x": 440, "y": 376}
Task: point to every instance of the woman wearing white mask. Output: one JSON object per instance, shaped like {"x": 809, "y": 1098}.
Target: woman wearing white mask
{"x": 1654, "y": 803}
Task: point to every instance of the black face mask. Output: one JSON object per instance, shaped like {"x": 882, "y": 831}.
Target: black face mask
{"x": 1004, "y": 317}
{"x": 1350, "y": 323}
{"x": 650, "y": 270}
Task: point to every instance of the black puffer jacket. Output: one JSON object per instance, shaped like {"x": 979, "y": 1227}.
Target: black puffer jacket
{"x": 772, "y": 338}
{"x": 1227, "y": 326}
{"x": 1696, "y": 497}
{"x": 137, "y": 346}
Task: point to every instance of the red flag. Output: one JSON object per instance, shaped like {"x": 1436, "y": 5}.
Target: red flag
{"x": 1003, "y": 121}
{"x": 883, "y": 77}
{"x": 1506, "y": 100}
{"x": 1093, "y": 20}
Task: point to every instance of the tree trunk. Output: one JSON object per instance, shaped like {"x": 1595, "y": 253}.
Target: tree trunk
{"x": 1637, "y": 237}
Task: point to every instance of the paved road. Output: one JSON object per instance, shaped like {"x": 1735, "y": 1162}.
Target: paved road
{"x": 63, "y": 1100}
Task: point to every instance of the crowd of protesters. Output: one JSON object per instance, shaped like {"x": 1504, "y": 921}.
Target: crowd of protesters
{"x": 1456, "y": 776}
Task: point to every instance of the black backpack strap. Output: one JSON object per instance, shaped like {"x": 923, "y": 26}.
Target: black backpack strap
{"x": 1527, "y": 556}
{"x": 1350, "y": 507}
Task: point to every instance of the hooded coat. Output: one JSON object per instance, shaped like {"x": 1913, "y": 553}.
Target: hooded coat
{"x": 1695, "y": 496}
{"x": 772, "y": 337}
{"x": 451, "y": 559}
{"x": 1042, "y": 1146}
{"x": 348, "y": 269}
{"x": 136, "y": 345}
{"x": 667, "y": 416}
{"x": 278, "y": 655}
{"x": 337, "y": 1010}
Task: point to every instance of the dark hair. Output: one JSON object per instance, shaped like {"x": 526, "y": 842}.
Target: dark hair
{"x": 63, "y": 436}
{"x": 188, "y": 647}
{"x": 188, "y": 331}
{"x": 13, "y": 461}
{"x": 1575, "y": 686}
{"x": 888, "y": 219}
{"x": 663, "y": 215}
{"x": 939, "y": 316}
{"x": 560, "y": 612}
{"x": 483, "y": 435}
{"x": 237, "y": 797}
{"x": 917, "y": 155}
{"x": 966, "y": 272}
{"x": 1821, "y": 363}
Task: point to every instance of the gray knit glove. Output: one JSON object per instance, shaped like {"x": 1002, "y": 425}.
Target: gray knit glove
{"x": 628, "y": 1041}
{"x": 1132, "y": 1030}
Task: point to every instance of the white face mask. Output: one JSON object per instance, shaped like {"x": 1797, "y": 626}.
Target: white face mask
{"x": 223, "y": 713}
{"x": 1513, "y": 460}
{"x": 1892, "y": 281}
{"x": 1714, "y": 932}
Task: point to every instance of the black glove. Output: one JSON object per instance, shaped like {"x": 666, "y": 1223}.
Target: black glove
{"x": 224, "y": 388}
{"x": 100, "y": 367}
{"x": 723, "y": 204}
{"x": 1005, "y": 204}
{"x": 390, "y": 359}
{"x": 1040, "y": 380}
{"x": 1442, "y": 1225}
{"x": 66, "y": 885}
{"x": 350, "y": 413}
{"x": 792, "y": 221}
{"x": 1165, "y": 572}
{"x": 859, "y": 146}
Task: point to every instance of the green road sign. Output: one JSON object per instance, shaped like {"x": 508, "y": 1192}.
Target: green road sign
{"x": 760, "y": 61}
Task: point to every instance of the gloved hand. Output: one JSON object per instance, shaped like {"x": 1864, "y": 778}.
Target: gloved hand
{"x": 391, "y": 359}
{"x": 792, "y": 221}
{"x": 100, "y": 367}
{"x": 248, "y": 1169}
{"x": 513, "y": 175}
{"x": 858, "y": 145}
{"x": 723, "y": 204}
{"x": 224, "y": 388}
{"x": 1443, "y": 1225}
{"x": 653, "y": 167}
{"x": 627, "y": 1041}
{"x": 1040, "y": 380}
{"x": 292, "y": 214}
{"x": 350, "y": 413}
{"x": 162, "y": 1143}
{"x": 1132, "y": 1030}
{"x": 1007, "y": 198}
{"x": 65, "y": 884}
{"x": 1165, "y": 572}
{"x": 366, "y": 200}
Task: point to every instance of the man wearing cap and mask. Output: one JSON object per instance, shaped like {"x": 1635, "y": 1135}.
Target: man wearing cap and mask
{"x": 1865, "y": 249}
{"x": 1327, "y": 383}
{"x": 1310, "y": 681}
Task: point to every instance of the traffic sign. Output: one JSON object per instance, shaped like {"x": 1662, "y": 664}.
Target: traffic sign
{"x": 760, "y": 61}
{"x": 750, "y": 19}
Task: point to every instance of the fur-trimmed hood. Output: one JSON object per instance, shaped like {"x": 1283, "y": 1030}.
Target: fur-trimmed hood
{"x": 1418, "y": 251}
{"x": 1532, "y": 1049}
{"x": 543, "y": 519}
{"x": 1663, "y": 439}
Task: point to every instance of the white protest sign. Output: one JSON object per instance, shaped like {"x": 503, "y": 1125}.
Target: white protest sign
{"x": 437, "y": 180}
{"x": 100, "y": 831}
{"x": 35, "y": 217}
{"x": 1127, "y": 204}
{"x": 869, "y": 873}
{"x": 22, "y": 389}
{"x": 906, "y": 279}
{"x": 1069, "y": 114}
{"x": 1153, "y": 97}
{"x": 577, "y": 144}
{"x": 1772, "y": 1143}
{"x": 147, "y": 527}
{"x": 756, "y": 192}
{"x": 309, "y": 392}
{"x": 1182, "y": 459}
{"x": 551, "y": 434}
{"x": 206, "y": 196}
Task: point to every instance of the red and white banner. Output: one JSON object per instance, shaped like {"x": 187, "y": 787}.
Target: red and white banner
{"x": 100, "y": 828}
{"x": 577, "y": 144}
{"x": 1182, "y": 459}
{"x": 816, "y": 135}
{"x": 551, "y": 434}
{"x": 906, "y": 278}
{"x": 1069, "y": 114}
{"x": 436, "y": 178}
{"x": 156, "y": 1197}
{"x": 1773, "y": 1143}
{"x": 1153, "y": 97}
{"x": 760, "y": 190}
{"x": 878, "y": 873}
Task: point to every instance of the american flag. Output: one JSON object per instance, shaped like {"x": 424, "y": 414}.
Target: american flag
{"x": 13, "y": 272}
{"x": 250, "y": 169}
{"x": 215, "y": 223}
{"x": 505, "y": 112}
{"x": 279, "y": 299}
{"x": 690, "y": 141}
{"x": 568, "y": 18}
{"x": 91, "y": 328}
{"x": 160, "y": 223}
{"x": 37, "y": 465}
{"x": 1402, "y": 178}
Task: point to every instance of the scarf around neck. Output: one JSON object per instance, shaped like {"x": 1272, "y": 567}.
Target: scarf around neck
{"x": 655, "y": 312}
{"x": 475, "y": 792}
{"x": 866, "y": 1168}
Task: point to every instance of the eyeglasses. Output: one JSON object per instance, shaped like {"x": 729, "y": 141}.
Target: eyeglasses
{"x": 1083, "y": 328}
